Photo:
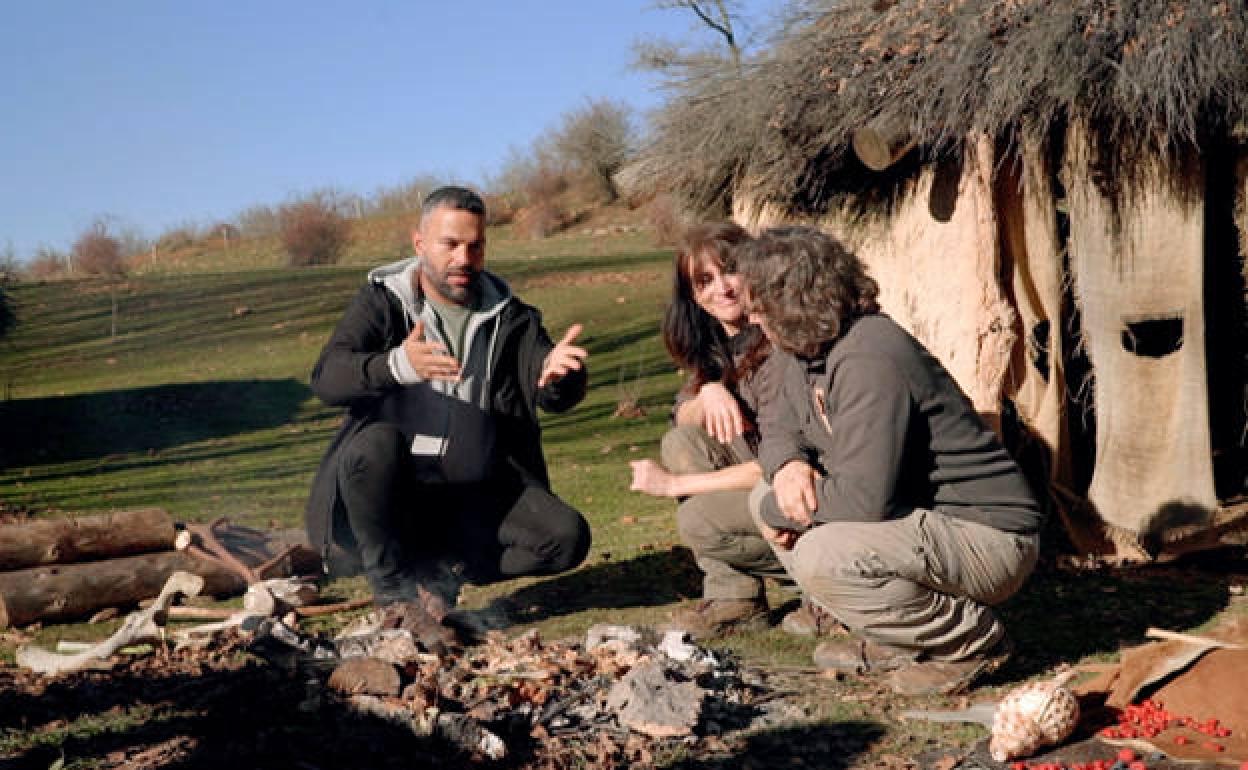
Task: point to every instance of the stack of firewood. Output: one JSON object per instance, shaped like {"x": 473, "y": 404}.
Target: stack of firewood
{"x": 68, "y": 568}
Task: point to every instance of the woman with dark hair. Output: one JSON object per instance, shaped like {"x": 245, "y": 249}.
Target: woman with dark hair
{"x": 707, "y": 459}
{"x": 890, "y": 502}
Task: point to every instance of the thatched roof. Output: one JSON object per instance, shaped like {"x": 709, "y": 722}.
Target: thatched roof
{"x": 1152, "y": 74}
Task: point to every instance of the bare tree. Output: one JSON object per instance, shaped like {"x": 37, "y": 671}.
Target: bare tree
{"x": 677, "y": 62}
{"x": 313, "y": 230}
{"x": 98, "y": 252}
{"x": 596, "y": 140}
{"x": 720, "y": 16}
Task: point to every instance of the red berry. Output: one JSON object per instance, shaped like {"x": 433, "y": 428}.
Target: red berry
{"x": 1214, "y": 746}
{"x": 1137, "y": 765}
{"x": 1182, "y": 740}
{"x": 1126, "y": 755}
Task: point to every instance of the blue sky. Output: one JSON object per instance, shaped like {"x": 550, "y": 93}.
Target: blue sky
{"x": 162, "y": 112}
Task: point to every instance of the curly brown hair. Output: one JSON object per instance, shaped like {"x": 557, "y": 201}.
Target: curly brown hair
{"x": 807, "y": 286}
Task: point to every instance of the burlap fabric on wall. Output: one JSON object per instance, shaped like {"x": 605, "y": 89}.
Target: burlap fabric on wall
{"x": 1138, "y": 267}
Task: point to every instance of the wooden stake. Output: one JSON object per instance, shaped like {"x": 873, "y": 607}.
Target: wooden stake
{"x": 1206, "y": 641}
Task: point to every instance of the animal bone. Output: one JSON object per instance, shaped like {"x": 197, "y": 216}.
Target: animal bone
{"x": 142, "y": 626}
{"x": 258, "y": 603}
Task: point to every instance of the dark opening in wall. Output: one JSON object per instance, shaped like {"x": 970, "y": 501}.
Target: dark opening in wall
{"x": 1226, "y": 316}
{"x": 1153, "y": 337}
{"x": 1038, "y": 347}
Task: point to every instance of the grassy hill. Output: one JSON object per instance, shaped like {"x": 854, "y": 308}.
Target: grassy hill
{"x": 200, "y": 403}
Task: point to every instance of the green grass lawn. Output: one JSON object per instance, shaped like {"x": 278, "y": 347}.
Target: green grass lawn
{"x": 200, "y": 405}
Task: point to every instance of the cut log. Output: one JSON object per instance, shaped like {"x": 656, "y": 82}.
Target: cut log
{"x": 881, "y": 143}
{"x": 66, "y": 591}
{"x": 84, "y": 538}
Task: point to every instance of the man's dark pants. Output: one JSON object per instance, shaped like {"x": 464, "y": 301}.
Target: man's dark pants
{"x": 410, "y": 534}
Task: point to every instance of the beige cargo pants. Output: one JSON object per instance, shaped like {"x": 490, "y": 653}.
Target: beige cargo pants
{"x": 717, "y": 526}
{"x": 925, "y": 582}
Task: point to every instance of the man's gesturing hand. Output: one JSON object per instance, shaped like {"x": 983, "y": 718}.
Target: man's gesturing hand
{"x": 429, "y": 359}
{"x": 563, "y": 358}
{"x": 721, "y": 414}
{"x": 794, "y": 485}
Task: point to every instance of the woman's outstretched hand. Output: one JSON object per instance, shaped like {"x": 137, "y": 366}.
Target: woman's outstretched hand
{"x": 651, "y": 478}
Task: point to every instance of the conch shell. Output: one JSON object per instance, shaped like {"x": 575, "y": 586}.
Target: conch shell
{"x": 1033, "y": 716}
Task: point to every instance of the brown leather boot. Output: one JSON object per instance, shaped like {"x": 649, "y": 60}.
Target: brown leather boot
{"x": 811, "y": 620}
{"x": 710, "y": 618}
{"x": 939, "y": 677}
{"x": 861, "y": 656}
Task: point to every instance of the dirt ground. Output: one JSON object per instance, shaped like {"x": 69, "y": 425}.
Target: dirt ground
{"x": 228, "y": 707}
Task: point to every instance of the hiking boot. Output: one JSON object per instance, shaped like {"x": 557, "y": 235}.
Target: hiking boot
{"x": 709, "y": 618}
{"x": 939, "y": 677}
{"x": 861, "y": 656}
{"x": 811, "y": 620}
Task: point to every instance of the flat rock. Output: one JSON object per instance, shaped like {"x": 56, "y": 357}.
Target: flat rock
{"x": 365, "y": 676}
{"x": 648, "y": 701}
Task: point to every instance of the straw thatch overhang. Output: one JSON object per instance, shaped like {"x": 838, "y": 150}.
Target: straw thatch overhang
{"x": 1150, "y": 75}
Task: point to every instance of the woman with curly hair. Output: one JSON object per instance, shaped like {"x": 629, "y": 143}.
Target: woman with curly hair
{"x": 707, "y": 459}
{"x": 890, "y": 502}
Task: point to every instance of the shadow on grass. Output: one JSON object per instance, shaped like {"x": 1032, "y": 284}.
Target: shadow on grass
{"x": 650, "y": 580}
{"x": 60, "y": 429}
{"x": 828, "y": 745}
{"x": 238, "y": 717}
{"x": 1063, "y": 616}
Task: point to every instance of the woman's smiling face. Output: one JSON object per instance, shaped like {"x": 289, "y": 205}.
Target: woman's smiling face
{"x": 720, "y": 294}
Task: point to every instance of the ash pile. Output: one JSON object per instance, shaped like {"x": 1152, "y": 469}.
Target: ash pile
{"x": 621, "y": 694}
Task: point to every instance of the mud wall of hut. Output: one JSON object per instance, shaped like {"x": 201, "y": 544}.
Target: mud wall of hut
{"x": 1019, "y": 264}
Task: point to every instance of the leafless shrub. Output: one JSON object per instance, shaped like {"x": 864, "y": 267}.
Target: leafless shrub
{"x": 131, "y": 241}
{"x": 531, "y": 185}
{"x": 177, "y": 238}
{"x": 667, "y": 219}
{"x": 595, "y": 141}
{"x": 258, "y": 221}
{"x": 499, "y": 209}
{"x": 540, "y": 219}
{"x": 313, "y": 232}
{"x": 98, "y": 252}
{"x": 403, "y": 198}
{"x": 47, "y": 263}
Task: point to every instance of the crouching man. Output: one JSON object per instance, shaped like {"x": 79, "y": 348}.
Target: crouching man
{"x": 437, "y": 474}
{"x": 890, "y": 502}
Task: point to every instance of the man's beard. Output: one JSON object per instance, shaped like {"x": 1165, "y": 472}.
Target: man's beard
{"x": 461, "y": 295}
